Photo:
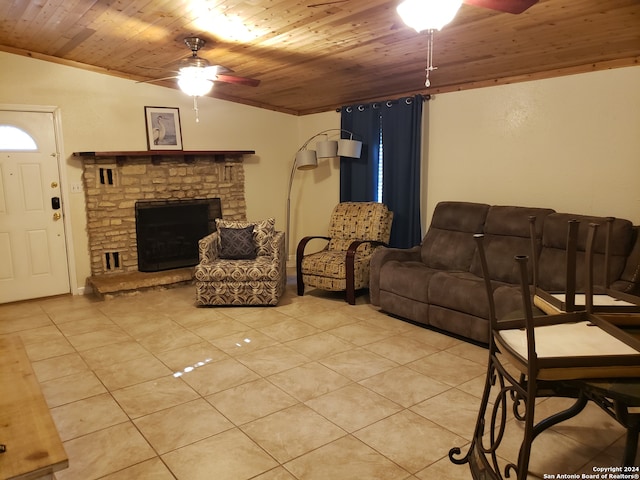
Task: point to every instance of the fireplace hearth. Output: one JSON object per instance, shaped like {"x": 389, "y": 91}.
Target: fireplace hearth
{"x": 167, "y": 231}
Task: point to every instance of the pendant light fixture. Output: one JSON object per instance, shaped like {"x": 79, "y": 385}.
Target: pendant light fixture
{"x": 428, "y": 15}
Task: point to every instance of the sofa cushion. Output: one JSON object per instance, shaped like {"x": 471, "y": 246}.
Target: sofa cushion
{"x": 630, "y": 278}
{"x": 407, "y": 279}
{"x": 507, "y": 232}
{"x": 460, "y": 291}
{"x": 237, "y": 243}
{"x": 449, "y": 243}
{"x": 465, "y": 292}
{"x": 459, "y": 323}
{"x": 552, "y": 261}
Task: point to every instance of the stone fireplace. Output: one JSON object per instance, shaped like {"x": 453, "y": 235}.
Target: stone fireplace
{"x": 115, "y": 181}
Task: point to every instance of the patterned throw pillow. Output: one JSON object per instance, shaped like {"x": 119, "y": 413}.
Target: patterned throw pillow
{"x": 237, "y": 243}
{"x": 262, "y": 232}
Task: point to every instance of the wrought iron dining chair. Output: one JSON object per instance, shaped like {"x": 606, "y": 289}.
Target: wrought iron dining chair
{"x": 608, "y": 254}
{"x": 530, "y": 358}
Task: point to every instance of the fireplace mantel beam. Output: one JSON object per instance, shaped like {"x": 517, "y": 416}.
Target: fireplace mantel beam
{"x": 218, "y": 155}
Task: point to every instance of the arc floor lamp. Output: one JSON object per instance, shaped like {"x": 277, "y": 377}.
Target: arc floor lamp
{"x": 307, "y": 159}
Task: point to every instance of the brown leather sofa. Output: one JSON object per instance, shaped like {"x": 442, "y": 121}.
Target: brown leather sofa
{"x": 439, "y": 282}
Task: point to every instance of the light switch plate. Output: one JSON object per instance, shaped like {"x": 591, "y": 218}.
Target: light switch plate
{"x": 76, "y": 188}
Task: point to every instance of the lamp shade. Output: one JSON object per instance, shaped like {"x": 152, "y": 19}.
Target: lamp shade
{"x": 306, "y": 159}
{"x": 349, "y": 148}
{"x": 327, "y": 148}
{"x": 428, "y": 14}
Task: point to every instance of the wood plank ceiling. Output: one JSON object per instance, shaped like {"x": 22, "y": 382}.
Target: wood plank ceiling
{"x": 315, "y": 55}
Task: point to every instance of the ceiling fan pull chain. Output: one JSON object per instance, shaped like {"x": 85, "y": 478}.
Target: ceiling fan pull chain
{"x": 430, "y": 66}
{"x": 195, "y": 107}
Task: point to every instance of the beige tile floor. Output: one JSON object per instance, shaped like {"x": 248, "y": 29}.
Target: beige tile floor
{"x": 150, "y": 387}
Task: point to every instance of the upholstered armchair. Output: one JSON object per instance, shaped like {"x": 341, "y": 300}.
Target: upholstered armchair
{"x": 356, "y": 229}
{"x": 241, "y": 263}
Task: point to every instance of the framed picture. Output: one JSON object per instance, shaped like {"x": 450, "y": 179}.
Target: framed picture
{"x": 163, "y": 128}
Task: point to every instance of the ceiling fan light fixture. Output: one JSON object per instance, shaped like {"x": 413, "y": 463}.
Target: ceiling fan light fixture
{"x": 194, "y": 82}
{"x": 424, "y": 15}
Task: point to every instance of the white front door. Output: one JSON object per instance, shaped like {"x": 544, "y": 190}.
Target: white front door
{"x": 33, "y": 254}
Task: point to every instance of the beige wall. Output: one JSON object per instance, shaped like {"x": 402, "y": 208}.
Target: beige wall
{"x": 570, "y": 143}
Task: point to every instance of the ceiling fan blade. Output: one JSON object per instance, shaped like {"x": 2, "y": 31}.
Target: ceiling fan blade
{"x": 508, "y": 6}
{"x": 158, "y": 79}
{"x": 249, "y": 82}
{"x": 222, "y": 69}
{"x": 213, "y": 71}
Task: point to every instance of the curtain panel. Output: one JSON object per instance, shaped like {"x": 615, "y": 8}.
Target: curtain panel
{"x": 391, "y": 133}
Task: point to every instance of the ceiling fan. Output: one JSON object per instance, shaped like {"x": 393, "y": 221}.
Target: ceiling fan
{"x": 432, "y": 15}
{"x": 508, "y": 6}
{"x": 194, "y": 66}
{"x": 196, "y": 75}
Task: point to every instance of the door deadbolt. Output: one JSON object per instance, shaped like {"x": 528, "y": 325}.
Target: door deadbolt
{"x": 56, "y": 215}
{"x": 54, "y": 184}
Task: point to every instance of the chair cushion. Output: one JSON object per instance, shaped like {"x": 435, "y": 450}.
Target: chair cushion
{"x": 237, "y": 243}
{"x": 359, "y": 221}
{"x": 262, "y": 232}
{"x": 326, "y": 270}
{"x": 262, "y": 268}
{"x": 552, "y": 341}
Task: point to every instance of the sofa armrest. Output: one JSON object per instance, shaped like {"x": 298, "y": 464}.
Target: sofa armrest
{"x": 379, "y": 258}
{"x": 208, "y": 248}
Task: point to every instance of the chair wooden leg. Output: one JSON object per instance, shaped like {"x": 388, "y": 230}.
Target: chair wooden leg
{"x": 299, "y": 281}
{"x": 299, "y": 255}
{"x": 351, "y": 294}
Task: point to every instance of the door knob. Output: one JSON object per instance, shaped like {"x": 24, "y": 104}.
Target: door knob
{"x": 56, "y": 216}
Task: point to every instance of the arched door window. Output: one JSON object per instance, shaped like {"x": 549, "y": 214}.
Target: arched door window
{"x": 13, "y": 138}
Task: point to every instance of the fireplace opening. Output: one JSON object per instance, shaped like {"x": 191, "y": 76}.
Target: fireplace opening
{"x": 167, "y": 231}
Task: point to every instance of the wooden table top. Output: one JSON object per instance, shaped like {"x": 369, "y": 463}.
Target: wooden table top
{"x": 34, "y": 448}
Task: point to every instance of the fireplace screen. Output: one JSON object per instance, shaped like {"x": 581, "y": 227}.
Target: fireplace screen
{"x": 167, "y": 231}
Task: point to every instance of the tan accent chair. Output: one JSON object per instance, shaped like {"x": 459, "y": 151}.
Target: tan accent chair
{"x": 356, "y": 229}
{"x": 257, "y": 281}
